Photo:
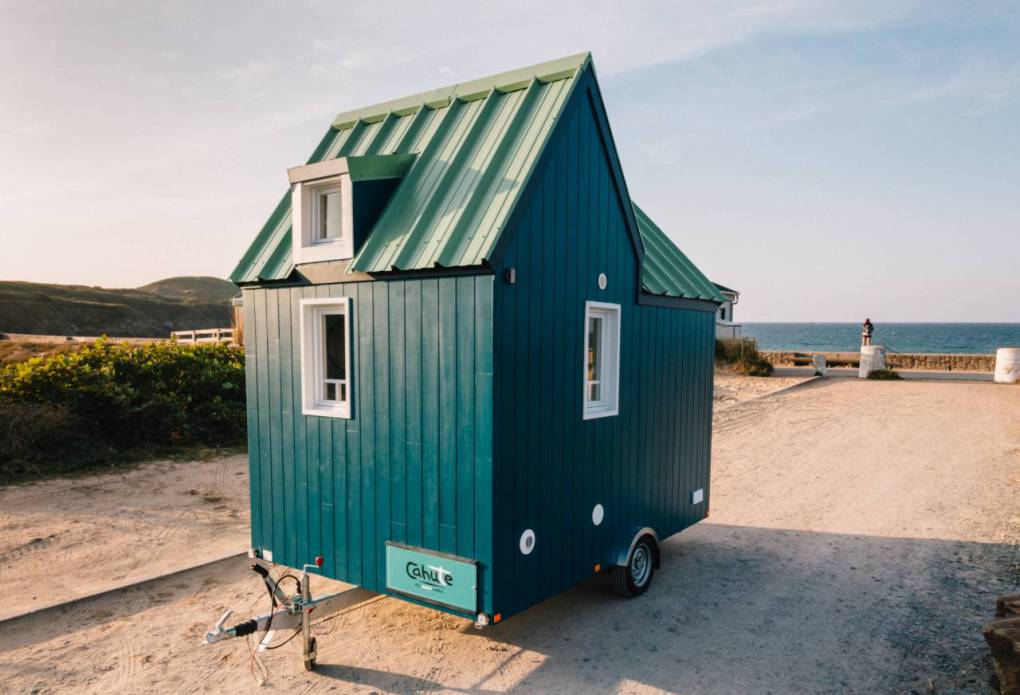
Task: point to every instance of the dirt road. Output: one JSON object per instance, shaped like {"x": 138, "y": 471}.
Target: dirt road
{"x": 65, "y": 538}
{"x": 860, "y": 532}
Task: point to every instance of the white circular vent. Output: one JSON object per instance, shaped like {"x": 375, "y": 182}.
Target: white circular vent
{"x": 603, "y": 281}
{"x": 527, "y": 541}
{"x": 597, "y": 514}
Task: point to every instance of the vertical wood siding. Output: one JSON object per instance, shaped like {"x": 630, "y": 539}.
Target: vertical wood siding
{"x": 552, "y": 466}
{"x": 413, "y": 465}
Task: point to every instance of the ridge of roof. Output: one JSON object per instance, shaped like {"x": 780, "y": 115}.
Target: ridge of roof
{"x": 512, "y": 80}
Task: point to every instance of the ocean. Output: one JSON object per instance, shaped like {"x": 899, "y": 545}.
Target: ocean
{"x": 898, "y": 337}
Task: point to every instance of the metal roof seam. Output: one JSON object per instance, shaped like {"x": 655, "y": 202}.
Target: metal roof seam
{"x": 471, "y": 228}
{"x": 485, "y": 125}
{"x": 381, "y": 252}
{"x": 551, "y": 103}
{"x": 455, "y": 151}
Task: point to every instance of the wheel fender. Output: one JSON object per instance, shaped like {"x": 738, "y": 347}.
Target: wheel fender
{"x": 623, "y": 556}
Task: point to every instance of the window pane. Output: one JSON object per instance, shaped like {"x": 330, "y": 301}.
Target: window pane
{"x": 329, "y": 215}
{"x": 594, "y": 392}
{"x": 336, "y": 346}
{"x": 594, "y": 348}
{"x": 330, "y": 391}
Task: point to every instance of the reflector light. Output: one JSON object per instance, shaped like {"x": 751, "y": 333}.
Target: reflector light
{"x": 496, "y": 618}
{"x": 318, "y": 560}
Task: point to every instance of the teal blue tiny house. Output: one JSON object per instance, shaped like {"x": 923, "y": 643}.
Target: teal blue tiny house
{"x": 477, "y": 372}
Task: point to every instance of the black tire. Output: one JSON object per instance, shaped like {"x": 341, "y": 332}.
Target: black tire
{"x": 634, "y": 579}
{"x": 312, "y": 655}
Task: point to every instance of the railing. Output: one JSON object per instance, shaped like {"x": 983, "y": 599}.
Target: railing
{"x": 207, "y": 335}
{"x": 727, "y": 330}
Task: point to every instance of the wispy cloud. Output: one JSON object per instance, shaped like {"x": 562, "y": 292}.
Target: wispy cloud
{"x": 254, "y": 71}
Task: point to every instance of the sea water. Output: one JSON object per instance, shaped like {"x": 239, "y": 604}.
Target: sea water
{"x": 981, "y": 338}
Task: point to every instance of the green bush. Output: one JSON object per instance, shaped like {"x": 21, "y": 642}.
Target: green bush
{"x": 742, "y": 356}
{"x": 93, "y": 405}
{"x": 884, "y": 375}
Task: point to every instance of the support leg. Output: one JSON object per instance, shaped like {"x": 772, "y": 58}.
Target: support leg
{"x": 311, "y": 648}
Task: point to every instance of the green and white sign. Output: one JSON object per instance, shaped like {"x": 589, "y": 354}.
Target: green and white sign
{"x": 438, "y": 578}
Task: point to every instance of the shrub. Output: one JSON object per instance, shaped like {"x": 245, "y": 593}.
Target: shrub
{"x": 106, "y": 399}
{"x": 884, "y": 375}
{"x": 742, "y": 356}
{"x": 18, "y": 351}
{"x": 37, "y": 438}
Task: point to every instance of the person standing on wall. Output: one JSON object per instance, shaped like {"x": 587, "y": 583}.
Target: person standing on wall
{"x": 867, "y": 328}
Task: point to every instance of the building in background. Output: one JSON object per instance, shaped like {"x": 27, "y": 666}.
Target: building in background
{"x": 724, "y": 325}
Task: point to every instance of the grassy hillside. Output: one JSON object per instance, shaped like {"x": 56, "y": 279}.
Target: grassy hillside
{"x": 147, "y": 312}
{"x": 192, "y": 289}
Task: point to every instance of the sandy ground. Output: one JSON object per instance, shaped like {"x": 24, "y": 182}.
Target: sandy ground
{"x": 859, "y": 534}
{"x": 731, "y": 389}
{"x": 61, "y": 539}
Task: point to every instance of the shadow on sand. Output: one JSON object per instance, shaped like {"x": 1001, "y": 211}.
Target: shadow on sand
{"x": 738, "y": 609}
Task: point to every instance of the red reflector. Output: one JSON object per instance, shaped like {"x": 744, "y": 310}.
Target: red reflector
{"x": 318, "y": 560}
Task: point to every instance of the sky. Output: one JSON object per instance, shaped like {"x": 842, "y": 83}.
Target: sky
{"x": 829, "y": 160}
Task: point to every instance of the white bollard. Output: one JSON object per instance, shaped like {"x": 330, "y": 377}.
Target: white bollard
{"x": 818, "y": 362}
{"x": 872, "y": 360}
{"x": 1007, "y": 365}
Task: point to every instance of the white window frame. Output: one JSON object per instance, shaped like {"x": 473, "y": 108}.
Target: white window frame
{"x": 304, "y": 211}
{"x": 313, "y": 357}
{"x": 609, "y": 377}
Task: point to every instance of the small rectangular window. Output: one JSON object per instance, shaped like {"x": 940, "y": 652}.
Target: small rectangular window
{"x": 326, "y": 214}
{"x": 601, "y": 359}
{"x": 325, "y": 357}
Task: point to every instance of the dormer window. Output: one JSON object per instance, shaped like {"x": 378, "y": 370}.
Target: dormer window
{"x": 323, "y": 196}
{"x": 322, "y": 219}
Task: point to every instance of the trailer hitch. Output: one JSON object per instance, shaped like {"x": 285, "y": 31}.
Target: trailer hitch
{"x": 295, "y": 611}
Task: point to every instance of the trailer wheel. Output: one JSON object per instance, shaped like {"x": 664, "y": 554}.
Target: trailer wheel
{"x": 311, "y": 654}
{"x": 635, "y": 578}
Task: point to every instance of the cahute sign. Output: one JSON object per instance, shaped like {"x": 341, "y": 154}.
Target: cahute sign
{"x": 438, "y": 578}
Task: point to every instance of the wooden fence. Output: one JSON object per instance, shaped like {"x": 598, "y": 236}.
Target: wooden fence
{"x": 206, "y": 335}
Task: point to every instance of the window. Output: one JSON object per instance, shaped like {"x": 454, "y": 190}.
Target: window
{"x": 326, "y": 214}
{"x": 322, "y": 220}
{"x": 326, "y": 357}
{"x": 601, "y": 359}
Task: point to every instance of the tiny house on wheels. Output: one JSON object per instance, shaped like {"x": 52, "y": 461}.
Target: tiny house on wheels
{"x": 477, "y": 372}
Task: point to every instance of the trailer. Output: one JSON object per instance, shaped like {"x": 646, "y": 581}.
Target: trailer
{"x": 477, "y": 372}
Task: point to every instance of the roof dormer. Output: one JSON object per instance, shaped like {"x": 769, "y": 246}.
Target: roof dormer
{"x": 335, "y": 203}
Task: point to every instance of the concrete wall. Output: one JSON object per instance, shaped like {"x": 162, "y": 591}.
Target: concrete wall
{"x": 894, "y": 360}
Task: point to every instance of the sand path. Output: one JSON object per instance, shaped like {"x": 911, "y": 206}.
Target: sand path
{"x": 65, "y": 538}
{"x": 860, "y": 532}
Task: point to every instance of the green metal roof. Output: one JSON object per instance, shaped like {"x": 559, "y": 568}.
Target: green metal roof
{"x": 665, "y": 270}
{"x": 474, "y": 146}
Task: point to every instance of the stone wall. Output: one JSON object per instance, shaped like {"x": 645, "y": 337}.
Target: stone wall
{"x": 933, "y": 362}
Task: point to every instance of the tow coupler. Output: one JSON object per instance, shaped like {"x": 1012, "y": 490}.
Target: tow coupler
{"x": 295, "y": 613}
